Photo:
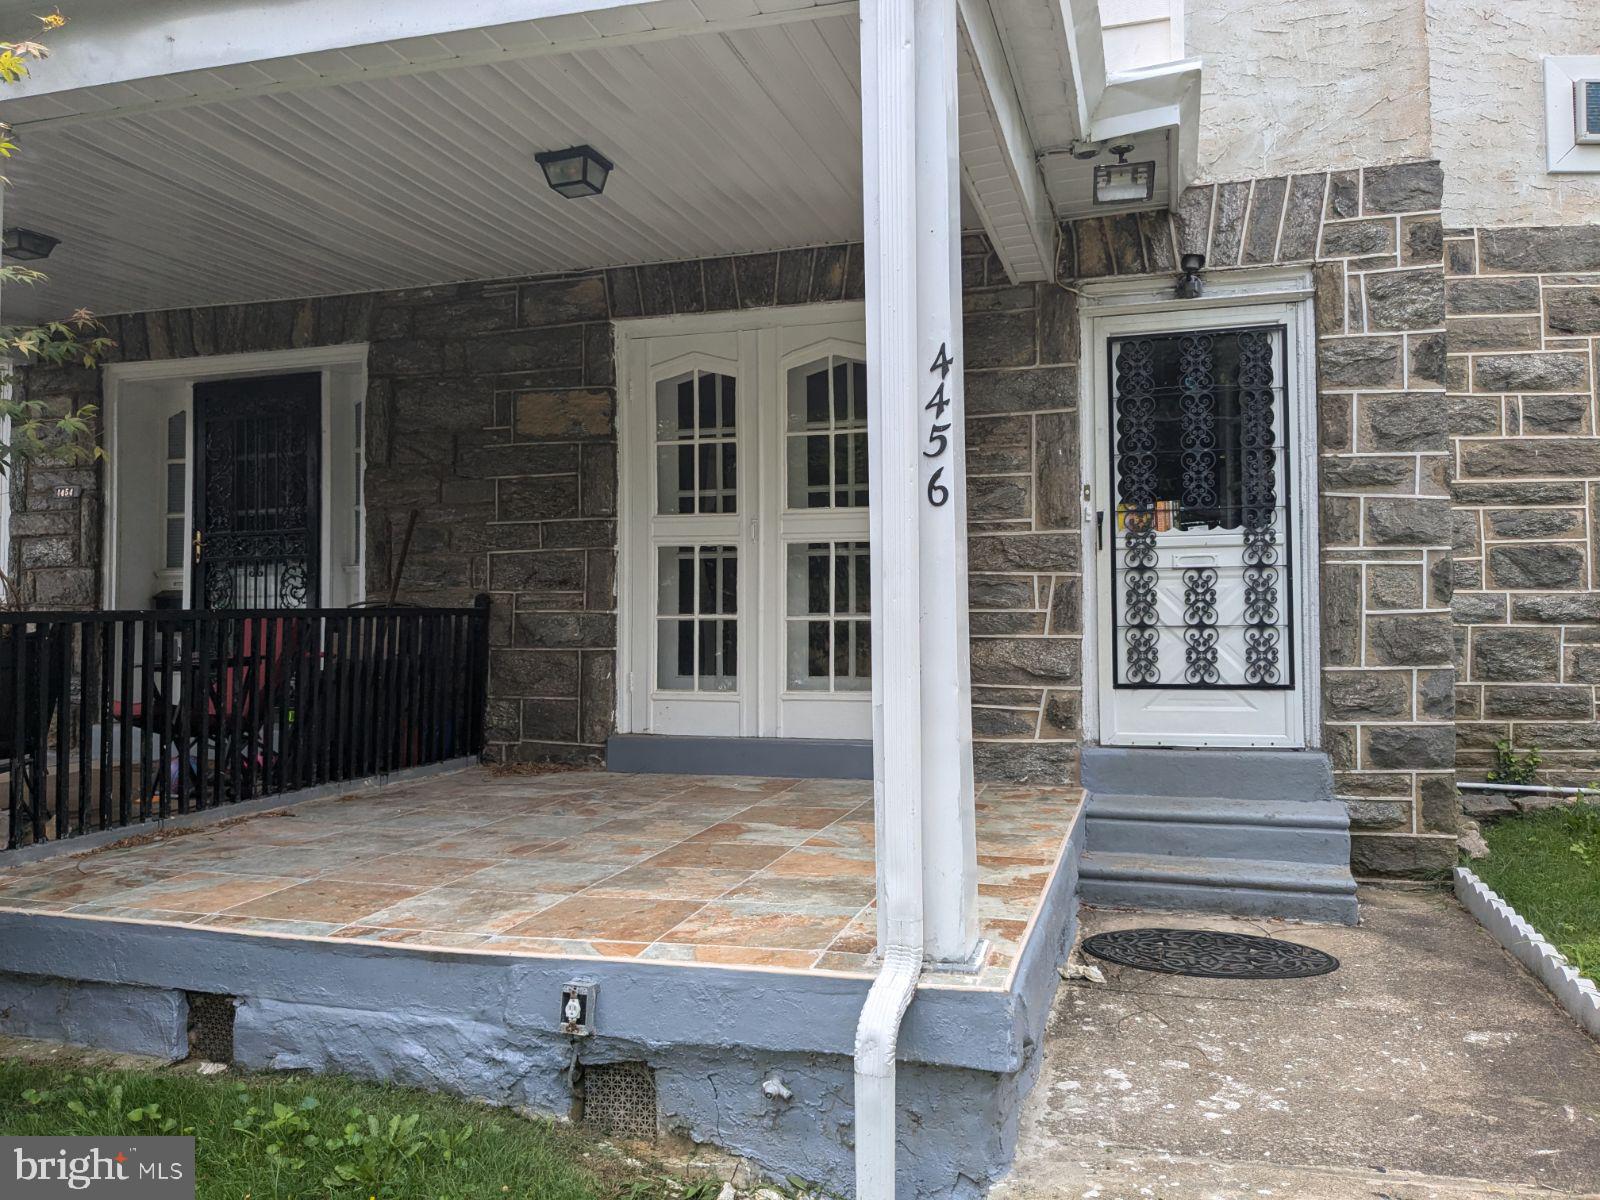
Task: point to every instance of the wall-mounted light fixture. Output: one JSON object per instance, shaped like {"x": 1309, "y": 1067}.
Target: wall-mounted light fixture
{"x": 1190, "y": 285}
{"x": 25, "y": 245}
{"x": 576, "y": 171}
{"x": 1123, "y": 182}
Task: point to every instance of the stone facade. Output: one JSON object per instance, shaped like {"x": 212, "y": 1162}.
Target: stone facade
{"x": 1524, "y": 319}
{"x": 1374, "y": 240}
{"x": 1456, "y": 371}
{"x": 55, "y": 541}
{"x": 491, "y": 412}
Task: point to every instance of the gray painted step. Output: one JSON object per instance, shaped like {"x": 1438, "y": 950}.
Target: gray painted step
{"x": 1211, "y": 827}
{"x": 1288, "y": 775}
{"x": 1246, "y": 887}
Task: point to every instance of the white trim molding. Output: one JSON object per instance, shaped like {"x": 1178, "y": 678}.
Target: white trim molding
{"x": 1563, "y": 153}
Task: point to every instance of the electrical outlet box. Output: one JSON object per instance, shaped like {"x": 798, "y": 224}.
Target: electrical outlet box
{"x": 577, "y": 1007}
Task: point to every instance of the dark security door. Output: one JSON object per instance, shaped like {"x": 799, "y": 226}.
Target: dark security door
{"x": 257, "y": 501}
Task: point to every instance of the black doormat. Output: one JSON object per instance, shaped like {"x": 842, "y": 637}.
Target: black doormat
{"x": 1207, "y": 954}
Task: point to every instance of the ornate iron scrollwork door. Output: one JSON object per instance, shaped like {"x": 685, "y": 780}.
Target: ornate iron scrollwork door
{"x": 1201, "y": 569}
{"x": 257, "y": 510}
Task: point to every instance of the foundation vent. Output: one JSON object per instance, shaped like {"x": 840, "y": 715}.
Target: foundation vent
{"x": 620, "y": 1099}
{"x": 211, "y": 1027}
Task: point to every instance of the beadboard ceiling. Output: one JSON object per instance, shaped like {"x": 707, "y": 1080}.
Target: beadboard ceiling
{"x": 736, "y": 141}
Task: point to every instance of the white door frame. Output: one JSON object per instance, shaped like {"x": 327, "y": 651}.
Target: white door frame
{"x": 635, "y": 466}
{"x": 1231, "y": 289}
{"x": 325, "y": 359}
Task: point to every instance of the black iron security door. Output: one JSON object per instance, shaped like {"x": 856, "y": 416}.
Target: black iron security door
{"x": 257, "y": 492}
{"x": 1202, "y": 591}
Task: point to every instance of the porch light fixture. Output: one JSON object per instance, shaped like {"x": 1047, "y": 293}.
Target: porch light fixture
{"x": 25, "y": 245}
{"x": 1123, "y": 182}
{"x": 575, "y": 172}
{"x": 1190, "y": 285}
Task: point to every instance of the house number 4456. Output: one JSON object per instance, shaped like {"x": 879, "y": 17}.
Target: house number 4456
{"x": 939, "y": 432}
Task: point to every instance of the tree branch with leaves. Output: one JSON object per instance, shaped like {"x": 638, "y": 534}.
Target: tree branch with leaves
{"x": 37, "y": 433}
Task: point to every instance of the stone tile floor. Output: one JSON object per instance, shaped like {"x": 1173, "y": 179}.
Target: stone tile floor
{"x": 774, "y": 873}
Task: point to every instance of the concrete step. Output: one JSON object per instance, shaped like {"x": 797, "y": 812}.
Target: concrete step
{"x": 1242, "y": 887}
{"x": 1271, "y": 775}
{"x": 1315, "y": 832}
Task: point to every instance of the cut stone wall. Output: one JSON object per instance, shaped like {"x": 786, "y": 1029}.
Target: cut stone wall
{"x": 1025, "y": 574}
{"x": 1524, "y": 330}
{"x": 491, "y": 411}
{"x": 1374, "y": 240}
{"x": 55, "y": 541}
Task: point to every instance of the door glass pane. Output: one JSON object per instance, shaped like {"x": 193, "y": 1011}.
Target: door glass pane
{"x": 826, "y": 455}
{"x": 697, "y": 635}
{"x": 829, "y": 617}
{"x": 1201, "y": 563}
{"x": 696, "y": 444}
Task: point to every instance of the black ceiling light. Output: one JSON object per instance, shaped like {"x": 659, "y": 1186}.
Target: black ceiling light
{"x": 25, "y": 245}
{"x": 576, "y": 171}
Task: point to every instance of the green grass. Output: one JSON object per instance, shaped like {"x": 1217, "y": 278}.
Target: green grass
{"x": 1546, "y": 865}
{"x": 296, "y": 1137}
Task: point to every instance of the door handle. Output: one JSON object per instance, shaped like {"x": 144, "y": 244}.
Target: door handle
{"x": 199, "y": 540}
{"x": 1099, "y": 529}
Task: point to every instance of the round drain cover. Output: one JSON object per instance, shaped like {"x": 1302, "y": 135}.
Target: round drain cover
{"x": 1208, "y": 954}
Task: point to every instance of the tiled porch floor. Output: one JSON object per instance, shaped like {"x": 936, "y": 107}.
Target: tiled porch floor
{"x": 704, "y": 869}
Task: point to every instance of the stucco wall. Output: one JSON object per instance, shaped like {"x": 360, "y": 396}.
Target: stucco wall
{"x": 1304, "y": 85}
{"x": 1488, "y": 109}
{"x": 1297, "y": 85}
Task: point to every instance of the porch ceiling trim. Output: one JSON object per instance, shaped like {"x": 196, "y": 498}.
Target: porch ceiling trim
{"x": 999, "y": 163}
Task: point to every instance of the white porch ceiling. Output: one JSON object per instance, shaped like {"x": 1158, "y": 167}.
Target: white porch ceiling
{"x": 355, "y": 161}
{"x": 735, "y": 141}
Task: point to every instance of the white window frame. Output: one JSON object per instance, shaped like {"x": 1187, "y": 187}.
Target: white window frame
{"x": 1112, "y": 308}
{"x": 762, "y": 442}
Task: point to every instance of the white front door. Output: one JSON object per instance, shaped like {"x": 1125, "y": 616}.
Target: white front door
{"x": 745, "y": 571}
{"x": 1199, "y": 535}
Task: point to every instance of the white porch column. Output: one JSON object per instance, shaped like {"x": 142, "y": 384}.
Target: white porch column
{"x": 950, "y": 869}
{"x": 913, "y": 271}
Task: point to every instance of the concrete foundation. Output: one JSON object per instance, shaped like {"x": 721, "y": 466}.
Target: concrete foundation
{"x": 107, "y": 1016}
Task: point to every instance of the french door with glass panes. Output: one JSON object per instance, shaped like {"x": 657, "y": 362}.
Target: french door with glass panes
{"x": 746, "y": 570}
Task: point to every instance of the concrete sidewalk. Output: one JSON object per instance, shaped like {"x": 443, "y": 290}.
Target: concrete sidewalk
{"x": 1430, "y": 1066}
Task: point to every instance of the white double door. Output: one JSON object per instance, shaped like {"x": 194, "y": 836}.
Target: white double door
{"x": 1200, "y": 526}
{"x": 745, "y": 570}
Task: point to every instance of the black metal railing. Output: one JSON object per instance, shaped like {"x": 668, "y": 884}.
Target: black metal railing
{"x": 108, "y": 719}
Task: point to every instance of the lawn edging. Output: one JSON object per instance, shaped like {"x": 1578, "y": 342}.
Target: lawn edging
{"x": 1527, "y": 945}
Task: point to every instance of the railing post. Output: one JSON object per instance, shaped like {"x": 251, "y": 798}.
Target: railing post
{"x": 480, "y": 668}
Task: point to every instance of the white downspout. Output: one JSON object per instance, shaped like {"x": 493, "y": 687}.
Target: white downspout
{"x": 888, "y": 83}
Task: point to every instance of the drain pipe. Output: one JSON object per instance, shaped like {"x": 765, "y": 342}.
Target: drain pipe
{"x": 1540, "y": 788}
{"x": 889, "y": 143}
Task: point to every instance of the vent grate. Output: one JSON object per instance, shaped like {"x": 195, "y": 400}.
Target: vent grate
{"x": 620, "y": 1099}
{"x": 211, "y": 1027}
